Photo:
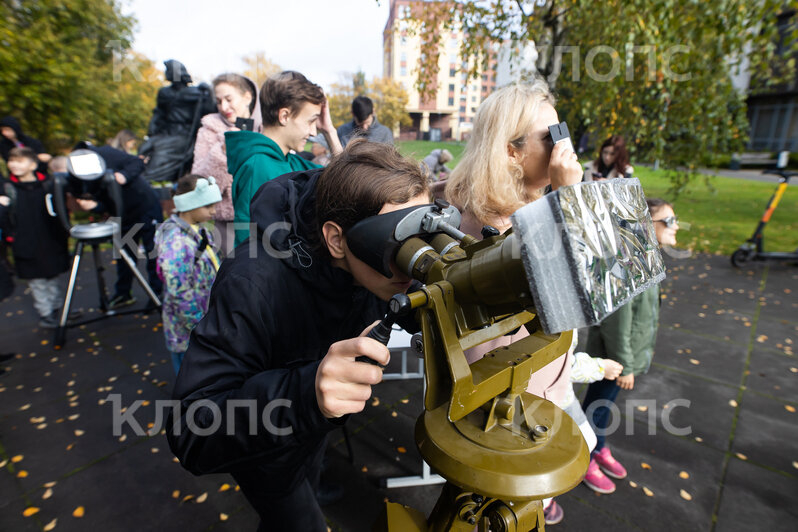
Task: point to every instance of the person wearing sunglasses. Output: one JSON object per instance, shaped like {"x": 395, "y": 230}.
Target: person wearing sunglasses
{"x": 627, "y": 336}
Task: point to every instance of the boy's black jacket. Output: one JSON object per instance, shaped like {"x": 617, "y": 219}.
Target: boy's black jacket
{"x": 39, "y": 242}
{"x": 270, "y": 322}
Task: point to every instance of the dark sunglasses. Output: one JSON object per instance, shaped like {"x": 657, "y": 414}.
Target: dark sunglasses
{"x": 670, "y": 221}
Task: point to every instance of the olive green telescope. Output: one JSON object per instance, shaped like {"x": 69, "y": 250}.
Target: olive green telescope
{"x": 500, "y": 448}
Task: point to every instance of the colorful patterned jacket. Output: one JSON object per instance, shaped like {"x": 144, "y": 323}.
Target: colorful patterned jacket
{"x": 187, "y": 274}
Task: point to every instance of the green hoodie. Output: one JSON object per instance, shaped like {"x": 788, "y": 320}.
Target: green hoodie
{"x": 252, "y": 160}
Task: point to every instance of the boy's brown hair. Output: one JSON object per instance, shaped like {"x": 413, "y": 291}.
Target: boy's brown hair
{"x": 362, "y": 179}
{"x": 26, "y": 153}
{"x": 289, "y": 90}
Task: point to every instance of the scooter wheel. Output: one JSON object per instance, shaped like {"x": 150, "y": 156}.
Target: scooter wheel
{"x": 739, "y": 257}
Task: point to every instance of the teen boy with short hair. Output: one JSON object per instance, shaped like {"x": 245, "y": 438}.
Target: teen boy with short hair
{"x": 292, "y": 109}
{"x": 283, "y": 329}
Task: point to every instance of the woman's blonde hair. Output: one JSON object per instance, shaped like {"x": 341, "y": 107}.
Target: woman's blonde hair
{"x": 487, "y": 181}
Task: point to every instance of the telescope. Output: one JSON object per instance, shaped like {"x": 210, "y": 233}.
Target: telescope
{"x": 89, "y": 178}
{"x": 569, "y": 260}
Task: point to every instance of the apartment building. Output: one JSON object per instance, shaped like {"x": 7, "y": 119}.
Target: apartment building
{"x": 449, "y": 115}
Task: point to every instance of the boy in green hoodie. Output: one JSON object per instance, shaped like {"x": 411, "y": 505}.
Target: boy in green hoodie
{"x": 293, "y": 109}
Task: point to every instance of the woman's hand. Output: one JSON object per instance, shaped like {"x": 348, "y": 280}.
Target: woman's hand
{"x": 611, "y": 369}
{"x": 564, "y": 167}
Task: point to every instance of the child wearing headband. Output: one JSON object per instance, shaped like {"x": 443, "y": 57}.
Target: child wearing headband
{"x": 187, "y": 262}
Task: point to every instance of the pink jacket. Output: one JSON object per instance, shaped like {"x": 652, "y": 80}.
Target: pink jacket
{"x": 552, "y": 381}
{"x": 210, "y": 159}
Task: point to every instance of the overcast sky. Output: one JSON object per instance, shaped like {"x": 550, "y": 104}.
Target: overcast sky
{"x": 320, "y": 38}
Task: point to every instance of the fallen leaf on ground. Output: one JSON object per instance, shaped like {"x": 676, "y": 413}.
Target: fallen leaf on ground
{"x": 80, "y": 511}
{"x": 188, "y": 497}
{"x": 699, "y": 439}
{"x": 795, "y": 465}
{"x": 51, "y": 525}
{"x": 175, "y": 494}
{"x": 686, "y": 496}
{"x": 633, "y": 483}
{"x": 154, "y": 450}
{"x": 694, "y": 362}
{"x": 3, "y": 463}
{"x": 224, "y": 487}
{"x": 648, "y": 491}
{"x": 30, "y": 510}
{"x": 645, "y": 465}
{"x": 47, "y": 494}
{"x": 25, "y": 406}
{"x": 789, "y": 408}
{"x": 365, "y": 469}
{"x": 741, "y": 456}
{"x": 405, "y": 401}
{"x": 394, "y": 414}
{"x": 16, "y": 459}
{"x": 761, "y": 338}
{"x": 202, "y": 498}
{"x": 402, "y": 450}
{"x": 79, "y": 432}
{"x": 223, "y": 517}
{"x": 69, "y": 447}
{"x": 684, "y": 474}
{"x": 73, "y": 417}
{"x": 22, "y": 474}
{"x": 50, "y": 484}
{"x": 375, "y": 401}
{"x": 733, "y": 403}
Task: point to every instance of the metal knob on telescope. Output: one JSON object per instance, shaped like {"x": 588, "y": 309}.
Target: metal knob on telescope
{"x": 398, "y": 306}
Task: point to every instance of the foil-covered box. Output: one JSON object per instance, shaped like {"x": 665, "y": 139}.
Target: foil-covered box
{"x": 587, "y": 250}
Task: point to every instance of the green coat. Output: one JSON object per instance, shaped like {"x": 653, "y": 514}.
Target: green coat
{"x": 252, "y": 160}
{"x": 628, "y": 335}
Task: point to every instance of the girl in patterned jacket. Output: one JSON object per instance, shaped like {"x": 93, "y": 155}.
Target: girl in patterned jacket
{"x": 187, "y": 262}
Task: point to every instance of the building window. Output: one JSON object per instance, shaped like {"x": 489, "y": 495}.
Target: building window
{"x": 473, "y": 99}
{"x": 452, "y": 72}
{"x": 403, "y": 71}
{"x": 451, "y": 101}
{"x": 404, "y": 56}
{"x": 403, "y": 40}
{"x": 451, "y": 87}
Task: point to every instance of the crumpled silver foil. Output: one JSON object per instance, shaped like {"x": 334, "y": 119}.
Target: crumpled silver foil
{"x": 587, "y": 250}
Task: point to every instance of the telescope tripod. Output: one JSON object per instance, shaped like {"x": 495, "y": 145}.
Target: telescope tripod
{"x": 93, "y": 235}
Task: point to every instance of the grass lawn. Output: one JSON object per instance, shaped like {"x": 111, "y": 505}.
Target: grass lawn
{"x": 720, "y": 219}
{"x": 724, "y": 218}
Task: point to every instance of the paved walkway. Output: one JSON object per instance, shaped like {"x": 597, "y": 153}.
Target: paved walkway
{"x": 726, "y": 345}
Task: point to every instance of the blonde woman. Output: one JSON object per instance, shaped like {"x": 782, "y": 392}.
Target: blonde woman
{"x": 508, "y": 162}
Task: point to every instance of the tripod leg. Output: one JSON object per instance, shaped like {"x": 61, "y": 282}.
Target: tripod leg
{"x": 137, "y": 273}
{"x": 99, "y": 269}
{"x": 60, "y": 331}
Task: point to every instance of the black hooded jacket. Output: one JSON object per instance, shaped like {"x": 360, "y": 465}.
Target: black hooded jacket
{"x": 272, "y": 317}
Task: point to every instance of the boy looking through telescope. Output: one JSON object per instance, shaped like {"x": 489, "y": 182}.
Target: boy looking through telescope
{"x": 286, "y": 321}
